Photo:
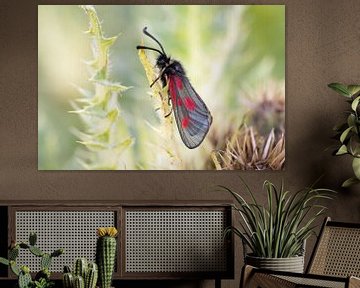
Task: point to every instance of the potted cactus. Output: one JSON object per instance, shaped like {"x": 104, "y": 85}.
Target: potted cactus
{"x": 84, "y": 275}
{"x": 106, "y": 254}
{"x": 42, "y": 278}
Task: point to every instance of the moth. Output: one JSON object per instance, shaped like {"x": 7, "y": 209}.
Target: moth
{"x": 193, "y": 118}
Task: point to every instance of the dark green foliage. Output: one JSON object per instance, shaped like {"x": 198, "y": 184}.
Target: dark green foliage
{"x": 44, "y": 273}
{"x": 349, "y": 131}
{"x": 32, "y": 239}
{"x": 105, "y": 259}
{"x": 42, "y": 283}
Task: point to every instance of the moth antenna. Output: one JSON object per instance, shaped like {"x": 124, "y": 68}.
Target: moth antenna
{"x": 152, "y": 37}
{"x": 149, "y": 48}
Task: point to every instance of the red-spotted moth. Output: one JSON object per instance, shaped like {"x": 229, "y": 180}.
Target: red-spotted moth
{"x": 192, "y": 117}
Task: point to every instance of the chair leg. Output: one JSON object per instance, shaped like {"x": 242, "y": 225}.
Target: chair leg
{"x": 246, "y": 274}
{"x": 217, "y": 283}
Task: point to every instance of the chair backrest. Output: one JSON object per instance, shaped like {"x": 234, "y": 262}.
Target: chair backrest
{"x": 337, "y": 251}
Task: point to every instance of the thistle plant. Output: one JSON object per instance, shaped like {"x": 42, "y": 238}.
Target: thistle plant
{"x": 166, "y": 129}
{"x": 279, "y": 228}
{"x": 267, "y": 111}
{"x": 105, "y": 137}
{"x": 247, "y": 150}
{"x": 258, "y": 143}
{"x": 106, "y": 254}
{"x": 42, "y": 278}
{"x": 348, "y": 133}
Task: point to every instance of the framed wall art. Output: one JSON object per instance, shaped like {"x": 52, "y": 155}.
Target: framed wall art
{"x": 161, "y": 87}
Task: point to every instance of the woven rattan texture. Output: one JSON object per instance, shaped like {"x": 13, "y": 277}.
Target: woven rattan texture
{"x": 303, "y": 282}
{"x": 175, "y": 241}
{"x": 268, "y": 281}
{"x": 338, "y": 253}
{"x": 75, "y": 231}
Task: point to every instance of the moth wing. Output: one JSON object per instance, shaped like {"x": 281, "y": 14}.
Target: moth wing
{"x": 192, "y": 116}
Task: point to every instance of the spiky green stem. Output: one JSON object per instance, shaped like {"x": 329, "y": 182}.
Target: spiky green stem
{"x": 91, "y": 276}
{"x": 105, "y": 258}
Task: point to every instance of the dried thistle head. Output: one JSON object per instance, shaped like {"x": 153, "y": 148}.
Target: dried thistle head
{"x": 246, "y": 149}
{"x": 268, "y": 111}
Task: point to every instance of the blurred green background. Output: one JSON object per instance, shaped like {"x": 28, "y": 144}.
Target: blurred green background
{"x": 230, "y": 53}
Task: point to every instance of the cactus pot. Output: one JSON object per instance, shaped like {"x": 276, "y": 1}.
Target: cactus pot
{"x": 291, "y": 264}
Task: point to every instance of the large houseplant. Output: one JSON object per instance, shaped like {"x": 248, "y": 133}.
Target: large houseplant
{"x": 276, "y": 233}
{"x": 348, "y": 132}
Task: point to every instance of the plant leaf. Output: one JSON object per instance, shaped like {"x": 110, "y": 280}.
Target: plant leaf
{"x": 349, "y": 182}
{"x": 356, "y": 167}
{"x": 4, "y": 261}
{"x": 355, "y": 103}
{"x": 342, "y": 150}
{"x": 345, "y": 134}
{"x": 340, "y": 88}
{"x": 353, "y": 89}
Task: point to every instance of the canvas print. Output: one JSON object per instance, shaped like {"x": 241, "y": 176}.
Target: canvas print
{"x": 161, "y": 87}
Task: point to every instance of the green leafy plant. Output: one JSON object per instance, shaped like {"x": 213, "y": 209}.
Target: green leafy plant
{"x": 349, "y": 131}
{"x": 42, "y": 278}
{"x": 105, "y": 137}
{"x": 279, "y": 229}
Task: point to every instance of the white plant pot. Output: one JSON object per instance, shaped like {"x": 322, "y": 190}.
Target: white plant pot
{"x": 291, "y": 264}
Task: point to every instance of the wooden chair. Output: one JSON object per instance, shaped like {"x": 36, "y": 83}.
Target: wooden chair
{"x": 335, "y": 262}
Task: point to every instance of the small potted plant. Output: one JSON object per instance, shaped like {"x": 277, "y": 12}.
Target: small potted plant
{"x": 274, "y": 235}
{"x": 348, "y": 132}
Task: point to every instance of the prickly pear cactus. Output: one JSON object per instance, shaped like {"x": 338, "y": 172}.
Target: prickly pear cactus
{"x": 32, "y": 238}
{"x": 36, "y": 251}
{"x": 45, "y": 261}
{"x": 106, "y": 254}
{"x": 24, "y": 280}
{"x": 42, "y": 278}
